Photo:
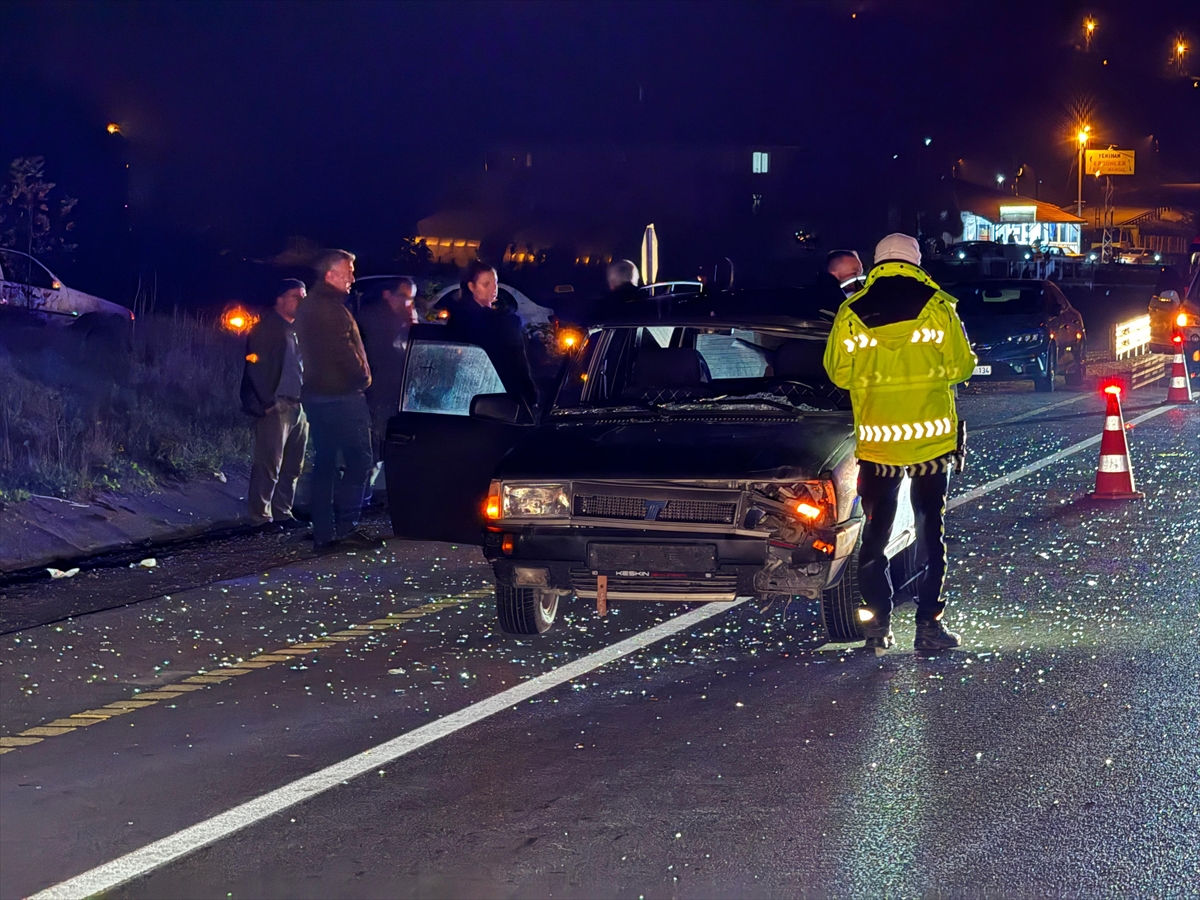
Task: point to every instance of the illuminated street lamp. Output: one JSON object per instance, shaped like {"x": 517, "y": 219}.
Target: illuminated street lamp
{"x": 1083, "y": 135}
{"x": 113, "y": 128}
{"x": 1181, "y": 49}
{"x": 1089, "y": 29}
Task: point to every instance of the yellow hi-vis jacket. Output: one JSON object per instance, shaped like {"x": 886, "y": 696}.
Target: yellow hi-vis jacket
{"x": 901, "y": 376}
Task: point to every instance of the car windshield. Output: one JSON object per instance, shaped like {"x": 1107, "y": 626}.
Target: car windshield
{"x": 999, "y": 299}
{"x": 654, "y": 369}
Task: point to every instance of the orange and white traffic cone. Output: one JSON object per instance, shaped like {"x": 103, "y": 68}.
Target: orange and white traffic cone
{"x": 1114, "y": 475}
{"x": 1180, "y": 390}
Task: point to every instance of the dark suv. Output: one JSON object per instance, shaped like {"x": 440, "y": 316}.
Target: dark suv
{"x": 1023, "y": 329}
{"x": 696, "y": 455}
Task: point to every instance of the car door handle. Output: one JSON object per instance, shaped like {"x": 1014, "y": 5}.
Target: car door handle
{"x": 402, "y": 438}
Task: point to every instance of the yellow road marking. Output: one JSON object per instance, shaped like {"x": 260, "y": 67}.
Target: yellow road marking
{"x": 38, "y": 733}
{"x": 18, "y": 741}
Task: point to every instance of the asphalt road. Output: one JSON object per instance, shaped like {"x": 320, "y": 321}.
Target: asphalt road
{"x": 666, "y": 750}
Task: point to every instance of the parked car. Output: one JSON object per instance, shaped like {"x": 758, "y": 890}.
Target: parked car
{"x": 691, "y": 454}
{"x": 531, "y": 314}
{"x": 1172, "y": 314}
{"x": 26, "y": 284}
{"x": 1023, "y": 329}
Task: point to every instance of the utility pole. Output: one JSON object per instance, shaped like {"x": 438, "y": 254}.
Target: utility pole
{"x": 1083, "y": 139}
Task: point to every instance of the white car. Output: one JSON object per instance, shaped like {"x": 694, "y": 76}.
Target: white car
{"x": 531, "y": 314}
{"x": 27, "y": 284}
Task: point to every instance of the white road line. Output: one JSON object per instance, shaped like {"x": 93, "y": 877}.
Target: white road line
{"x": 152, "y": 856}
{"x": 1036, "y": 412}
{"x": 996, "y": 484}
{"x": 139, "y": 862}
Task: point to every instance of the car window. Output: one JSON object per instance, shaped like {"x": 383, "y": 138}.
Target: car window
{"x": 442, "y": 378}
{"x": 698, "y": 368}
{"x": 1004, "y": 300}
{"x": 733, "y": 354}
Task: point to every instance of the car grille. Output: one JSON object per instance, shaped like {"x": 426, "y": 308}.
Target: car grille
{"x": 704, "y": 512}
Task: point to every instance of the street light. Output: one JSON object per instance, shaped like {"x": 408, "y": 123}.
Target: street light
{"x": 1082, "y": 137}
{"x": 1089, "y": 29}
{"x": 1181, "y": 49}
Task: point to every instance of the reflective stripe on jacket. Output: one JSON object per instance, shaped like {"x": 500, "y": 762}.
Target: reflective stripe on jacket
{"x": 901, "y": 376}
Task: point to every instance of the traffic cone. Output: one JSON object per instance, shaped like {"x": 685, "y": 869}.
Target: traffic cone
{"x": 1180, "y": 390}
{"x": 1114, "y": 475}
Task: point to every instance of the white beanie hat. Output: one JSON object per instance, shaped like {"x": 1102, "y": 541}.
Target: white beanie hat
{"x": 898, "y": 248}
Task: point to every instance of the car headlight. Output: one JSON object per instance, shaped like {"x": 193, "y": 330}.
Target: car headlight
{"x": 1033, "y": 337}
{"x": 534, "y": 500}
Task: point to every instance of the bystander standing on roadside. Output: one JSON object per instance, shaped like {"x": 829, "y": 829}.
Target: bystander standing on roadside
{"x": 899, "y": 347}
{"x": 384, "y": 323}
{"x": 336, "y": 377}
{"x": 271, "y": 386}
{"x": 841, "y": 278}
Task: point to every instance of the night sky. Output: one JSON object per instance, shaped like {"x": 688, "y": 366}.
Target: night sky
{"x": 248, "y": 122}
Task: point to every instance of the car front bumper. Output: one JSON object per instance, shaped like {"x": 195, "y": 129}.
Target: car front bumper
{"x": 571, "y": 559}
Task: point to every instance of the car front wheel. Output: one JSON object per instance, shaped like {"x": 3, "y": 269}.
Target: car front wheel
{"x": 525, "y": 610}
{"x": 840, "y": 603}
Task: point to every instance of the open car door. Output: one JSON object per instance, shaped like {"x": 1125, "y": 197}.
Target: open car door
{"x": 453, "y": 426}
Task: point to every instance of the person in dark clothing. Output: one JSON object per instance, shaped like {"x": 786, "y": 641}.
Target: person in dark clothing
{"x": 271, "y": 385}
{"x": 841, "y": 278}
{"x": 384, "y": 326}
{"x": 474, "y": 319}
{"x": 622, "y": 277}
{"x": 335, "y": 379}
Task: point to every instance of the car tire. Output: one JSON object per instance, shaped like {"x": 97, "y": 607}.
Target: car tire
{"x": 525, "y": 610}
{"x": 1044, "y": 384}
{"x": 840, "y": 602}
{"x": 1078, "y": 373}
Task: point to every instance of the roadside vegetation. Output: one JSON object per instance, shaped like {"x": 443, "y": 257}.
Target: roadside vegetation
{"x": 86, "y": 409}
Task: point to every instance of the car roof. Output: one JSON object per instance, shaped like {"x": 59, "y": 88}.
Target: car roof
{"x": 786, "y": 308}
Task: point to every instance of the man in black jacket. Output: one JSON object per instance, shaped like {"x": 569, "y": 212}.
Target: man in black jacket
{"x": 271, "y": 383}
{"x": 335, "y": 378}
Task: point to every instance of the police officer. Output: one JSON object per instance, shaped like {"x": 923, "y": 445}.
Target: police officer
{"x": 899, "y": 347}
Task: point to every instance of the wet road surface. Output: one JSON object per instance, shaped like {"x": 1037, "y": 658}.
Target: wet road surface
{"x": 736, "y": 755}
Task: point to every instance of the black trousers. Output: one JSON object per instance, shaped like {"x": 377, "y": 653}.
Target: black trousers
{"x": 880, "y": 495}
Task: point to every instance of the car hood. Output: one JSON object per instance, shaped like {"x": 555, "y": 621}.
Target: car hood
{"x": 718, "y": 447}
{"x": 989, "y": 329}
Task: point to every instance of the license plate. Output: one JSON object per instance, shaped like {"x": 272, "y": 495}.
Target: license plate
{"x": 652, "y": 559}
{"x": 982, "y": 370}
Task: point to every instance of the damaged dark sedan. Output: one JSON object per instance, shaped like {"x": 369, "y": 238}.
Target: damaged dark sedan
{"x": 695, "y": 455}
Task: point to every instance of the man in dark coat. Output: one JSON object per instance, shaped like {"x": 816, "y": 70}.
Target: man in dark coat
{"x": 335, "y": 378}
{"x": 271, "y": 385}
{"x": 841, "y": 278}
{"x": 474, "y": 319}
{"x": 384, "y": 326}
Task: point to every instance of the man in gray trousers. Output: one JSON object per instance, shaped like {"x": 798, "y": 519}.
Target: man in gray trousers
{"x": 271, "y": 383}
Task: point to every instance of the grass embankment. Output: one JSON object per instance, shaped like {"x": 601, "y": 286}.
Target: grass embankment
{"x": 85, "y": 412}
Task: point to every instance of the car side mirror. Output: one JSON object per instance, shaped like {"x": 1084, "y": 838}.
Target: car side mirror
{"x": 1169, "y": 297}
{"x": 496, "y": 408}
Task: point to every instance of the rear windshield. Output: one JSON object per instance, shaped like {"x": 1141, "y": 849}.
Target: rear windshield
{"x": 690, "y": 368}
{"x": 1004, "y": 300}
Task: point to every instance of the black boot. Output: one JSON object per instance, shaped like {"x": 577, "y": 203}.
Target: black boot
{"x": 932, "y": 636}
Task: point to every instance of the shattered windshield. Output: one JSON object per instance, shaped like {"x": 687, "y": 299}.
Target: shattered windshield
{"x": 690, "y": 369}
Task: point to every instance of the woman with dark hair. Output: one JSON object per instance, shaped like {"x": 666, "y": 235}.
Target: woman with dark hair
{"x": 476, "y": 319}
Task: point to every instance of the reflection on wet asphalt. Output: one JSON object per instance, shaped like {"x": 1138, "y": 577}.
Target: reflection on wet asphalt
{"x": 1055, "y": 755}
